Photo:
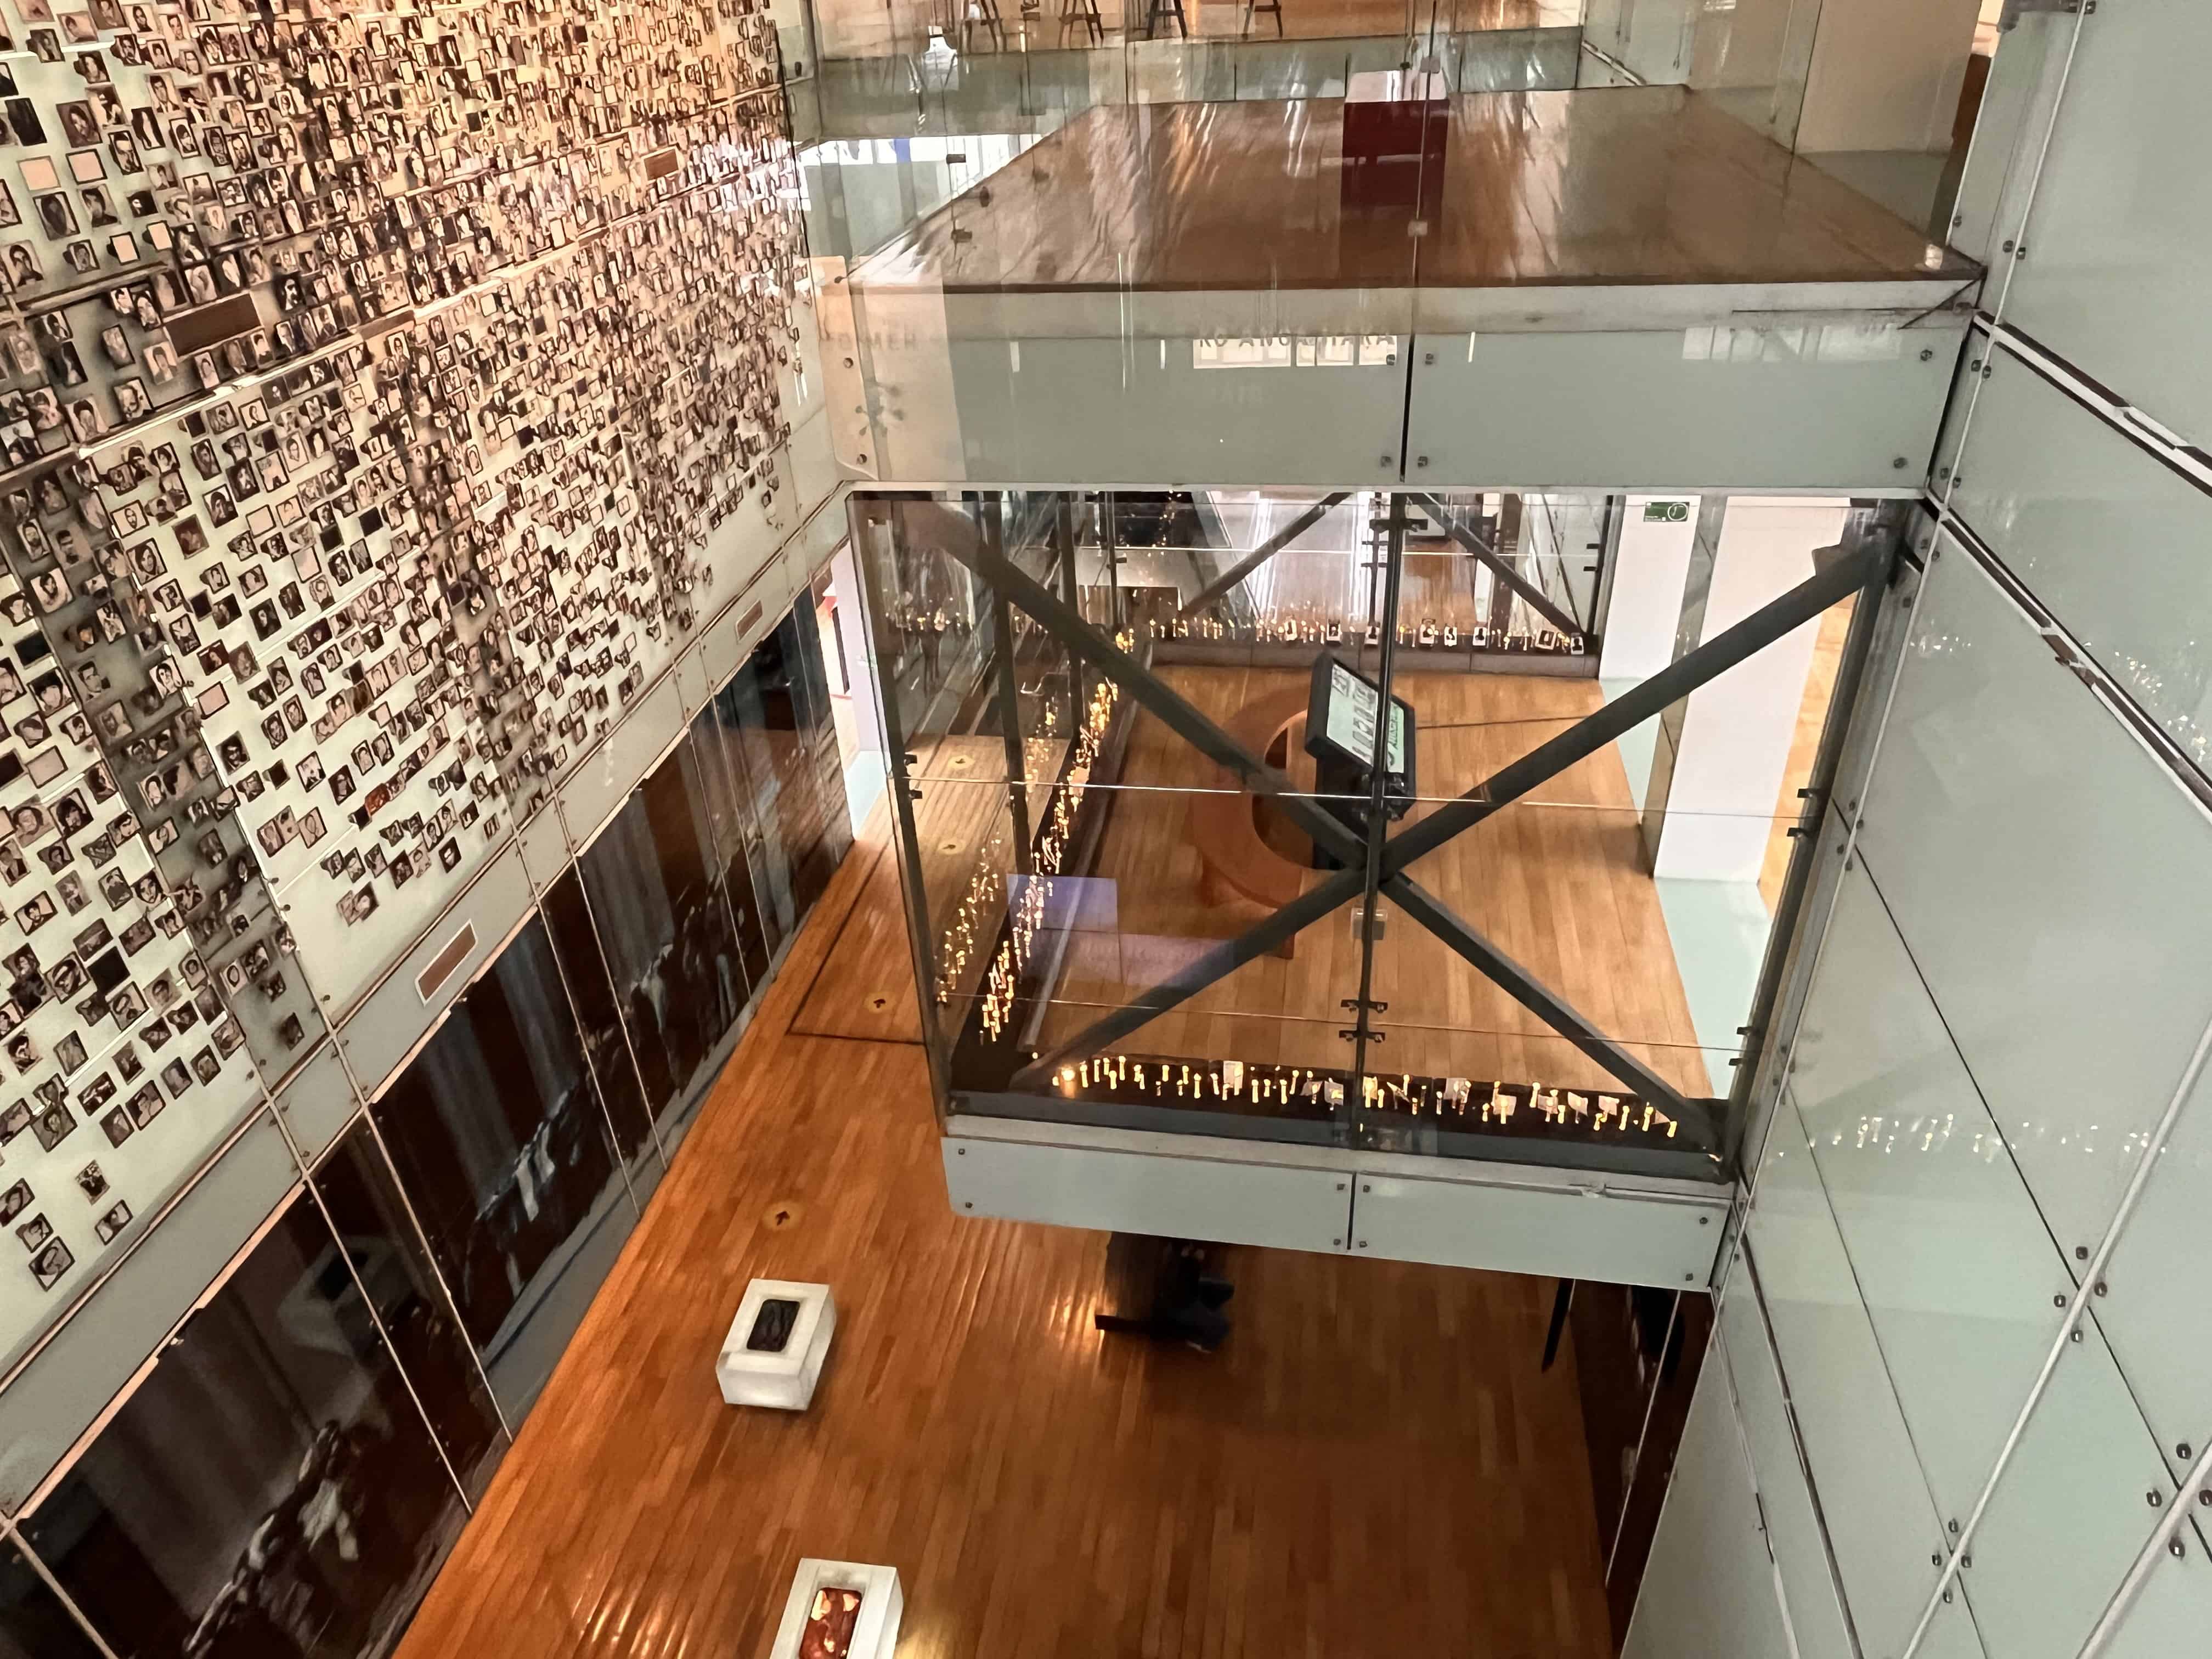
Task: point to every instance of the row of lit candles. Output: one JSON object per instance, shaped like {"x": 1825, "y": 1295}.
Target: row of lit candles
{"x": 1427, "y": 635}
{"x": 1230, "y": 1079}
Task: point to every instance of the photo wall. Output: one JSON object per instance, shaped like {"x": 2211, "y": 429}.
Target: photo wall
{"x": 287, "y": 1477}
{"x": 386, "y": 399}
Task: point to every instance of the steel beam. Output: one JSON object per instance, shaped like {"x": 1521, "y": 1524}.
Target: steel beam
{"x": 1707, "y": 661}
{"x": 1260, "y": 555}
{"x": 1151, "y": 692}
{"x": 1218, "y": 962}
{"x": 1538, "y": 600}
{"x": 1677, "y": 680}
{"x": 1532, "y": 994}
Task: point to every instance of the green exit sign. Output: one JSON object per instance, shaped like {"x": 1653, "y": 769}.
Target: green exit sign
{"x": 1666, "y": 512}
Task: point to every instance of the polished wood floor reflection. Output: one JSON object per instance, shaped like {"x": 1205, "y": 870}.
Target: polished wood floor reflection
{"x": 1373, "y": 1465}
{"x": 1559, "y": 881}
{"x": 1625, "y": 185}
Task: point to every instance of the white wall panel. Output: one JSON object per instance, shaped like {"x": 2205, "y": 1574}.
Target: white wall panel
{"x": 1957, "y": 1271}
{"x": 394, "y": 1016}
{"x": 1800, "y": 1547}
{"x": 1288, "y": 1205}
{"x": 2014, "y": 828}
{"x": 1814, "y": 408}
{"x": 2118, "y": 239}
{"x": 2115, "y": 543}
{"x": 2068, "y": 1517}
{"x": 1558, "y": 1231}
{"x": 1709, "y": 1586}
{"x": 1881, "y": 1517}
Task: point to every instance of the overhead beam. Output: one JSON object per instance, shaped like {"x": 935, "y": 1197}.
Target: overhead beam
{"x": 1537, "y": 599}
{"x": 1843, "y": 577}
{"x": 1260, "y": 555}
{"x": 1216, "y": 963}
{"x": 1532, "y": 994}
{"x": 959, "y": 538}
{"x": 1707, "y": 661}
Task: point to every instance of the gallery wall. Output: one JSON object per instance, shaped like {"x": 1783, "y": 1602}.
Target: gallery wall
{"x": 417, "y": 753}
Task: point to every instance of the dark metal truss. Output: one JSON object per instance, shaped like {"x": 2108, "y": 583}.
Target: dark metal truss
{"x": 1845, "y": 572}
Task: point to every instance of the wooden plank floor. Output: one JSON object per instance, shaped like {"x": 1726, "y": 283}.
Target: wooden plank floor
{"x": 1559, "y": 882}
{"x": 1630, "y": 184}
{"x": 1372, "y": 1466}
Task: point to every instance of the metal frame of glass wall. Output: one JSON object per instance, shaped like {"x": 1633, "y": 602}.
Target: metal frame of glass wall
{"x": 1031, "y": 689}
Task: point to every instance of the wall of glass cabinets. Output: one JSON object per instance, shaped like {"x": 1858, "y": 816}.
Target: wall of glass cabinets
{"x": 285, "y": 1472}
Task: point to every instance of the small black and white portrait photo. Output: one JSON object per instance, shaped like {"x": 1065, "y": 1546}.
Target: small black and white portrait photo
{"x": 48, "y": 1266}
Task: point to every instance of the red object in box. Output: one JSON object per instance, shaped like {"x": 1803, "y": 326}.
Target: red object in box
{"x": 830, "y": 1623}
{"x": 1395, "y": 123}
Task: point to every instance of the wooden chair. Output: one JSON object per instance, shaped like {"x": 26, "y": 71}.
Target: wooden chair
{"x": 1274, "y": 8}
{"x": 1083, "y": 14}
{"x": 1157, "y": 13}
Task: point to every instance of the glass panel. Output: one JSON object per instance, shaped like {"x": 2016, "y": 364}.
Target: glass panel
{"x": 34, "y": 1623}
{"x": 2010, "y": 822}
{"x": 1960, "y": 1277}
{"x": 2167, "y": 1242}
{"x": 269, "y": 1488}
{"x": 1881, "y": 1519}
{"x": 2110, "y": 540}
{"x": 606, "y": 1043}
{"x": 498, "y": 1137}
{"x": 2111, "y": 280}
{"x": 670, "y": 950}
{"x": 2070, "y": 1515}
{"x": 393, "y": 1265}
{"x": 739, "y": 844}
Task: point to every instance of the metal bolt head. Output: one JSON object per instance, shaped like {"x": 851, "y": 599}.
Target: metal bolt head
{"x": 968, "y": 1206}
{"x": 1363, "y": 1243}
{"x": 2008, "y": 244}
{"x": 1339, "y": 1186}
{"x": 1900, "y": 463}
{"x": 2154, "y": 1498}
{"x": 1336, "y": 1243}
{"x": 2081, "y": 1252}
{"x": 1420, "y": 460}
{"x": 2182, "y": 1451}
{"x": 2175, "y": 1546}
{"x": 1928, "y": 354}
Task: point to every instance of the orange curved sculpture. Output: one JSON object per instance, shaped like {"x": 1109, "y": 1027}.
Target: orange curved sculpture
{"x": 1236, "y": 859}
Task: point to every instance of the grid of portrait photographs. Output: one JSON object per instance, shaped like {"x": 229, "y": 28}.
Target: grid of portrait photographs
{"x": 378, "y": 394}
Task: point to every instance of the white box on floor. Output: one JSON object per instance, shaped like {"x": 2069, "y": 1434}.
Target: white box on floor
{"x": 875, "y": 1636}
{"x": 785, "y": 1377}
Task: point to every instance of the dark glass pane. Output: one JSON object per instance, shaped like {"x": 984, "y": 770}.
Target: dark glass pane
{"x": 742, "y": 712}
{"x": 722, "y": 768}
{"x": 270, "y": 1490}
{"x": 835, "y": 838}
{"x": 497, "y": 1135}
{"x": 669, "y": 941}
{"x": 592, "y": 993}
{"x": 34, "y": 1623}
{"x": 358, "y": 1188}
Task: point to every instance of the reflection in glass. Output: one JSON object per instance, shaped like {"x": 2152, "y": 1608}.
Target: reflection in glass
{"x": 498, "y": 1137}
{"x": 269, "y": 1489}
{"x": 734, "y": 838}
{"x": 393, "y": 1265}
{"x": 592, "y": 993}
{"x": 669, "y": 947}
{"x": 34, "y": 1623}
